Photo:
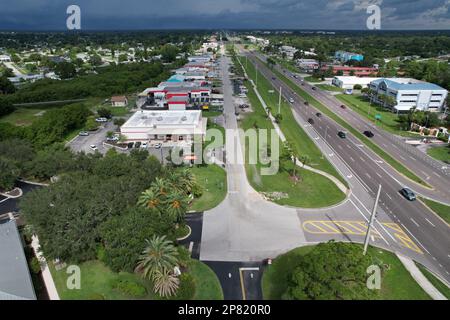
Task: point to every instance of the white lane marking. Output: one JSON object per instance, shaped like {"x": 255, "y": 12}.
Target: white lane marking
{"x": 361, "y": 158}
{"x": 379, "y": 175}
{"x": 430, "y": 222}
{"x": 388, "y": 196}
{"x": 416, "y": 239}
{"x": 436, "y": 174}
{"x": 353, "y": 160}
{"x": 414, "y": 222}
{"x": 368, "y": 176}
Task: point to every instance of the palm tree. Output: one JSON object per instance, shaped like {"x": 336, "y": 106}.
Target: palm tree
{"x": 165, "y": 283}
{"x": 159, "y": 254}
{"x": 160, "y": 186}
{"x": 176, "y": 205}
{"x": 149, "y": 199}
{"x": 183, "y": 181}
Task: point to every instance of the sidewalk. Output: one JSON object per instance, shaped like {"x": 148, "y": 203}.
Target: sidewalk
{"x": 46, "y": 275}
{"x": 421, "y": 279}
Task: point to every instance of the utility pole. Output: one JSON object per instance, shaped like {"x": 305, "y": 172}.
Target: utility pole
{"x": 256, "y": 66}
{"x": 372, "y": 219}
{"x": 279, "y": 103}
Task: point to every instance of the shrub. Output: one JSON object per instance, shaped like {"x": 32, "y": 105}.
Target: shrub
{"x": 35, "y": 266}
{"x": 129, "y": 288}
{"x": 357, "y": 87}
{"x": 186, "y": 290}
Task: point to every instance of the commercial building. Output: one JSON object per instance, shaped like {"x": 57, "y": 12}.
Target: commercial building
{"x": 349, "y": 82}
{"x": 15, "y": 278}
{"x": 288, "y": 51}
{"x": 5, "y": 58}
{"x": 344, "y": 56}
{"x": 307, "y": 65}
{"x": 347, "y": 71}
{"x": 165, "y": 126}
{"x": 408, "y": 93}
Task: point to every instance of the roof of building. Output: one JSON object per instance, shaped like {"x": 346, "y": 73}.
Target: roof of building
{"x": 118, "y": 99}
{"x": 15, "y": 279}
{"x": 164, "y": 118}
{"x": 407, "y": 84}
{"x": 176, "y": 78}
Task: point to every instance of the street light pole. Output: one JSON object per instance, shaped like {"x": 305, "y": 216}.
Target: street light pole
{"x": 279, "y": 102}
{"x": 372, "y": 219}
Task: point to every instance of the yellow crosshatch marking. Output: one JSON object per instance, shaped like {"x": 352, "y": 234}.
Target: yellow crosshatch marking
{"x": 357, "y": 228}
{"x": 405, "y": 240}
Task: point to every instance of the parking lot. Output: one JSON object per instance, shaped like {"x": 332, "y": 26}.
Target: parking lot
{"x": 83, "y": 143}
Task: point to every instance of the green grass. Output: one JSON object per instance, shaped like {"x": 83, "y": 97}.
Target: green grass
{"x": 440, "y": 153}
{"x": 438, "y": 284}
{"x": 360, "y": 104}
{"x": 119, "y": 111}
{"x": 441, "y": 210}
{"x": 213, "y": 179}
{"x": 22, "y": 116}
{"x": 397, "y": 283}
{"x": 308, "y": 192}
{"x": 207, "y": 284}
{"x": 375, "y": 148}
{"x": 211, "y": 114}
{"x": 327, "y": 87}
{"x": 97, "y": 279}
{"x": 313, "y": 79}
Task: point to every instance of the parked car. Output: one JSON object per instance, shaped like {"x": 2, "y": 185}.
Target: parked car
{"x": 291, "y": 100}
{"x": 83, "y": 134}
{"x": 369, "y": 134}
{"x": 408, "y": 194}
{"x": 342, "y": 134}
{"x": 144, "y": 145}
{"x": 311, "y": 121}
{"x": 93, "y": 147}
{"x": 101, "y": 120}
{"x": 343, "y": 106}
{"x": 130, "y": 145}
{"x": 318, "y": 114}
{"x": 137, "y": 144}
{"x": 314, "y": 88}
{"x": 158, "y": 145}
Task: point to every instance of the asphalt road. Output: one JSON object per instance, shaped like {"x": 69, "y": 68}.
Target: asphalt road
{"x": 428, "y": 169}
{"x": 422, "y": 225}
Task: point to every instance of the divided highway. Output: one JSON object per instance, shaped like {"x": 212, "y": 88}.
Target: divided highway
{"x": 424, "y": 227}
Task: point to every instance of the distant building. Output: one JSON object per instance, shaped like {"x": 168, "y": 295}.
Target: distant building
{"x": 288, "y": 51}
{"x": 349, "y": 82}
{"x": 15, "y": 278}
{"x": 408, "y": 94}
{"x": 165, "y": 126}
{"x": 5, "y": 58}
{"x": 119, "y": 101}
{"x": 344, "y": 56}
{"x": 347, "y": 71}
{"x": 307, "y": 65}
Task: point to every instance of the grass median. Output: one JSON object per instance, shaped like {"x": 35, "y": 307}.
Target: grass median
{"x": 440, "y": 153}
{"x": 310, "y": 191}
{"x": 441, "y": 210}
{"x": 374, "y": 147}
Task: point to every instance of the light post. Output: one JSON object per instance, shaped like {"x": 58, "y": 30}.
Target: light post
{"x": 279, "y": 102}
{"x": 371, "y": 221}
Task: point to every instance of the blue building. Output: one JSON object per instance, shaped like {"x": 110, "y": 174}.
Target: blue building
{"x": 344, "y": 56}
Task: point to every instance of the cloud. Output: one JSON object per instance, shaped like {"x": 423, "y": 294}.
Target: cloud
{"x": 261, "y": 14}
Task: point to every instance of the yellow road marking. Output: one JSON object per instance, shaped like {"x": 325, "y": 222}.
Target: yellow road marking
{"x": 403, "y": 237}
{"x": 242, "y": 285}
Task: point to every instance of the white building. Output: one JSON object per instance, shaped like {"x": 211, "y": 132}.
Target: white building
{"x": 260, "y": 41}
{"x": 410, "y": 93}
{"x": 307, "y": 65}
{"x": 349, "y": 82}
{"x": 5, "y": 58}
{"x": 289, "y": 51}
{"x": 165, "y": 126}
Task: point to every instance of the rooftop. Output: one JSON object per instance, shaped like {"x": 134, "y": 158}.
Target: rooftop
{"x": 171, "y": 118}
{"x": 407, "y": 84}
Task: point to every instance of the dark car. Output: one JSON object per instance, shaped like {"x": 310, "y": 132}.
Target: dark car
{"x": 369, "y": 134}
{"x": 306, "y": 103}
{"x": 342, "y": 134}
{"x": 130, "y": 145}
{"x": 311, "y": 121}
{"x": 318, "y": 114}
{"x": 273, "y": 78}
{"x": 314, "y": 88}
{"x": 408, "y": 194}
{"x": 137, "y": 144}
{"x": 343, "y": 106}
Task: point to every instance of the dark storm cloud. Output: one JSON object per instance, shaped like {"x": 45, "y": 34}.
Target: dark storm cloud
{"x": 269, "y": 14}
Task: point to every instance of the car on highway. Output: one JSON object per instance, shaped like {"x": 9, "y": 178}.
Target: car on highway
{"x": 273, "y": 78}
{"x": 369, "y": 134}
{"x": 93, "y": 147}
{"x": 342, "y": 134}
{"x": 408, "y": 194}
{"x": 343, "y": 106}
{"x": 311, "y": 121}
{"x": 83, "y": 134}
{"x": 318, "y": 114}
{"x": 314, "y": 88}
{"x": 291, "y": 100}
{"x": 158, "y": 145}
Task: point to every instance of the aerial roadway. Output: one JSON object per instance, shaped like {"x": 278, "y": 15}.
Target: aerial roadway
{"x": 428, "y": 230}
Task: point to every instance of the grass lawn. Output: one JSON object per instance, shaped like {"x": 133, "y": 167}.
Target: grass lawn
{"x": 119, "y": 111}
{"x": 440, "y": 153}
{"x": 327, "y": 87}
{"x": 397, "y": 283}
{"x": 207, "y": 284}
{"x": 313, "y": 79}
{"x": 361, "y": 105}
{"x": 211, "y": 114}
{"x": 441, "y": 210}
{"x": 213, "y": 179}
{"x": 375, "y": 148}
{"x": 309, "y": 191}
{"x": 438, "y": 284}
{"x": 22, "y": 116}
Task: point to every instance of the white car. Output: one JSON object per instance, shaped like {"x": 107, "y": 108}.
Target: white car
{"x": 291, "y": 100}
{"x": 158, "y": 146}
{"x": 93, "y": 147}
{"x": 144, "y": 145}
{"x": 101, "y": 120}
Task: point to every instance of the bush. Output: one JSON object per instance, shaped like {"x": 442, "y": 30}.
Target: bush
{"x": 357, "y": 87}
{"x": 186, "y": 291}
{"x": 35, "y": 266}
{"x": 129, "y": 288}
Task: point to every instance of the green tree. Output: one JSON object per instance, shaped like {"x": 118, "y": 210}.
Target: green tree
{"x": 8, "y": 174}
{"x": 104, "y": 113}
{"x": 6, "y": 87}
{"x": 65, "y": 70}
{"x": 165, "y": 282}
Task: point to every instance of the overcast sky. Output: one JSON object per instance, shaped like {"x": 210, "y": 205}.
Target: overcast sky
{"x": 228, "y": 14}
